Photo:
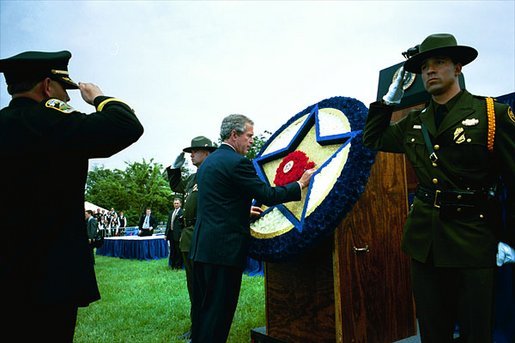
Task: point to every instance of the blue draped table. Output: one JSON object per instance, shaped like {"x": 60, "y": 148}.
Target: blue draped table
{"x": 135, "y": 247}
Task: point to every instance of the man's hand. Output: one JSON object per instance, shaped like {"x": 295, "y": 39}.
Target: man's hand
{"x": 305, "y": 179}
{"x": 396, "y": 89}
{"x": 89, "y": 92}
{"x": 505, "y": 254}
{"x": 255, "y": 211}
{"x": 179, "y": 161}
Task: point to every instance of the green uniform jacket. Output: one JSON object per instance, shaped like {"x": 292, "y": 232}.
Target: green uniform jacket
{"x": 188, "y": 187}
{"x": 464, "y": 162}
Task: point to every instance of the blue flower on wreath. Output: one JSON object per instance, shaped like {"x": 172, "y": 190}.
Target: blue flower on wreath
{"x": 342, "y": 162}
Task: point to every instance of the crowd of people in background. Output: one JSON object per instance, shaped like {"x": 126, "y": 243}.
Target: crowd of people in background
{"x": 111, "y": 223}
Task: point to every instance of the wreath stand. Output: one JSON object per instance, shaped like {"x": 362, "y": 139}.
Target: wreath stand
{"x": 354, "y": 286}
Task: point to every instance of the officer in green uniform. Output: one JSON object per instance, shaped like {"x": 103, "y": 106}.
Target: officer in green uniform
{"x": 462, "y": 149}
{"x": 200, "y": 148}
{"x": 46, "y": 265}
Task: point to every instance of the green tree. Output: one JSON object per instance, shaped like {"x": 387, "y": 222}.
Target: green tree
{"x": 259, "y": 141}
{"x": 141, "y": 185}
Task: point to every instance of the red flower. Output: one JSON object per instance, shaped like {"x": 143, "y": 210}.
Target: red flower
{"x": 292, "y": 167}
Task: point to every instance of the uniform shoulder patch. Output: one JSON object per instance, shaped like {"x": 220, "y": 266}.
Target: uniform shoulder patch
{"x": 510, "y": 114}
{"x": 59, "y": 105}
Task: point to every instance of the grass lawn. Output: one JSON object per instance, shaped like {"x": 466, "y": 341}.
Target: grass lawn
{"x": 146, "y": 301}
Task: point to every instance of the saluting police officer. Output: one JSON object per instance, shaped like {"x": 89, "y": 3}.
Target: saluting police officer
{"x": 46, "y": 265}
{"x": 200, "y": 148}
{"x": 462, "y": 149}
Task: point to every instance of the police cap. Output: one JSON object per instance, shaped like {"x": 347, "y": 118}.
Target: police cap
{"x": 37, "y": 65}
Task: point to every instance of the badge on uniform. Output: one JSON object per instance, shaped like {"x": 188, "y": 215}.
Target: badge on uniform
{"x": 459, "y": 135}
{"x": 470, "y": 122}
{"x": 59, "y": 105}
{"x": 417, "y": 127}
{"x": 195, "y": 188}
{"x": 511, "y": 115}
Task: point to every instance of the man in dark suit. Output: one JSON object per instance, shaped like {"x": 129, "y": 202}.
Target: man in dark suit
{"x": 45, "y": 146}
{"x": 147, "y": 223}
{"x": 91, "y": 229}
{"x": 173, "y": 233}
{"x": 227, "y": 184}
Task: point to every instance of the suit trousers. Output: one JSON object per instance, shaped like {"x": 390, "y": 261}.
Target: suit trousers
{"x": 445, "y": 297}
{"x": 216, "y": 289}
{"x": 176, "y": 261}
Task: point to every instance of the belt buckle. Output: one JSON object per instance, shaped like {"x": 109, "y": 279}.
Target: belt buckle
{"x": 435, "y": 203}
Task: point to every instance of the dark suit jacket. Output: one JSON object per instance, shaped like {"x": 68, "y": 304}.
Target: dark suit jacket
{"x": 227, "y": 184}
{"x": 152, "y": 221}
{"x": 178, "y": 224}
{"x": 92, "y": 227}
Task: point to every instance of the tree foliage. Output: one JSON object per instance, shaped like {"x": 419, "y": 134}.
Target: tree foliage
{"x": 141, "y": 185}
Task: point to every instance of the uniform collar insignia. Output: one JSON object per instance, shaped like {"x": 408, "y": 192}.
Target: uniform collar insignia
{"x": 470, "y": 122}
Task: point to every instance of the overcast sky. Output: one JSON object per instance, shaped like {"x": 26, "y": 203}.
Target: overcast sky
{"x": 183, "y": 66}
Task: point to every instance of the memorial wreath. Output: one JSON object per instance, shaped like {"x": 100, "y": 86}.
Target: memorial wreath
{"x": 327, "y": 135}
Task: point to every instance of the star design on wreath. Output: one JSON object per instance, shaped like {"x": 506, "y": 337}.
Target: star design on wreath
{"x": 314, "y": 137}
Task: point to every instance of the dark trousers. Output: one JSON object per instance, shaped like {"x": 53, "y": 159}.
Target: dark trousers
{"x": 445, "y": 297}
{"x": 175, "y": 255}
{"x": 188, "y": 267}
{"x": 39, "y": 323}
{"x": 216, "y": 290}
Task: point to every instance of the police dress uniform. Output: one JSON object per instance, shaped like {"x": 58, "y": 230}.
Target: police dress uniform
{"x": 188, "y": 187}
{"x": 454, "y": 221}
{"x": 44, "y": 148}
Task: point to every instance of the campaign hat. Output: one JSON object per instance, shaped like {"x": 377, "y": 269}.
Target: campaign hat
{"x": 440, "y": 44}
{"x": 201, "y": 143}
{"x": 37, "y": 65}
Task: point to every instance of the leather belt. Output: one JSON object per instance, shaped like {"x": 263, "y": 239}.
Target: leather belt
{"x": 438, "y": 198}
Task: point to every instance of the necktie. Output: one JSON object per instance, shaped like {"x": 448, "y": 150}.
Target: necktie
{"x": 146, "y": 225}
{"x": 440, "y": 113}
{"x": 173, "y": 217}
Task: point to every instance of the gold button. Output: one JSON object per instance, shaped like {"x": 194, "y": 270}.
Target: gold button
{"x": 481, "y": 216}
{"x": 413, "y": 139}
{"x": 436, "y": 147}
{"x": 458, "y": 196}
{"x": 435, "y": 181}
{"x": 434, "y": 164}
{"x": 458, "y": 209}
{"x": 469, "y": 140}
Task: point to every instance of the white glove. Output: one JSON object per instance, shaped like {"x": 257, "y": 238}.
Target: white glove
{"x": 505, "y": 254}
{"x": 179, "y": 161}
{"x": 396, "y": 89}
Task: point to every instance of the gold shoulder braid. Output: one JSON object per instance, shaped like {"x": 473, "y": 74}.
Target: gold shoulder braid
{"x": 490, "y": 112}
